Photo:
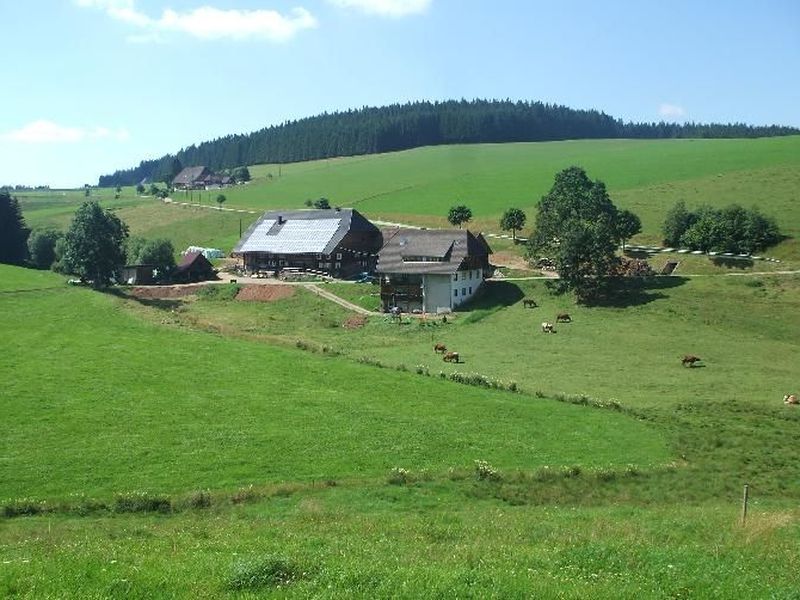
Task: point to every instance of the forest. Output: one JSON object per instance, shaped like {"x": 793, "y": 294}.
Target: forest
{"x": 372, "y": 130}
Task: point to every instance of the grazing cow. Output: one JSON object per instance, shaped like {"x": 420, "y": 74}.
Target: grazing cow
{"x": 440, "y": 348}
{"x": 790, "y": 399}
{"x": 548, "y": 327}
{"x": 563, "y": 318}
{"x": 529, "y": 303}
{"x": 451, "y": 357}
{"x": 688, "y": 360}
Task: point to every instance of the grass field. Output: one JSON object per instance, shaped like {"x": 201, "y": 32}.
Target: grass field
{"x": 210, "y": 447}
{"x": 108, "y": 397}
{"x": 419, "y": 186}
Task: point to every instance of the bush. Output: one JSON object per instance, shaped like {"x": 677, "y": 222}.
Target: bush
{"x": 271, "y": 571}
{"x": 200, "y": 499}
{"x": 245, "y": 494}
{"x": 23, "y": 507}
{"x": 135, "y": 502}
{"x": 42, "y": 247}
{"x": 398, "y": 476}
{"x": 220, "y": 293}
{"x": 486, "y": 472}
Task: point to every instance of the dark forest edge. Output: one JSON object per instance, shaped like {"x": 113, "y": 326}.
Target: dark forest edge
{"x": 372, "y": 130}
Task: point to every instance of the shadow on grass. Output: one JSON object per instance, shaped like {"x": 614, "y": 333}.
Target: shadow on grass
{"x": 159, "y": 303}
{"x": 732, "y": 263}
{"x": 637, "y": 291}
{"x": 494, "y": 294}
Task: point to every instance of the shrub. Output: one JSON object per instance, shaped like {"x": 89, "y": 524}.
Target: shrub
{"x": 219, "y": 293}
{"x": 486, "y": 472}
{"x": 421, "y": 370}
{"x": 141, "y": 502}
{"x": 271, "y": 571}
{"x": 398, "y": 476}
{"x": 23, "y": 507}
{"x": 200, "y": 499}
{"x": 245, "y": 494}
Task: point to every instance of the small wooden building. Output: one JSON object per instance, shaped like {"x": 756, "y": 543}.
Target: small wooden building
{"x": 337, "y": 242}
{"x": 192, "y": 268}
{"x": 139, "y": 274}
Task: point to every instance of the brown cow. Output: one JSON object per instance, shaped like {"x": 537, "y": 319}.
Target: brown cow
{"x": 440, "y": 348}
{"x": 451, "y": 357}
{"x": 688, "y": 360}
{"x": 790, "y": 399}
{"x": 529, "y": 303}
{"x": 563, "y": 318}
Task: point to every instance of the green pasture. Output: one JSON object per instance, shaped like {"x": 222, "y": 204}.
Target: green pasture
{"x": 419, "y": 186}
{"x": 266, "y": 406}
{"x": 98, "y": 401}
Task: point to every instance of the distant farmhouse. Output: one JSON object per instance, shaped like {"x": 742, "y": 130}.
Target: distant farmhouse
{"x": 431, "y": 270}
{"x": 200, "y": 178}
{"x": 338, "y": 242}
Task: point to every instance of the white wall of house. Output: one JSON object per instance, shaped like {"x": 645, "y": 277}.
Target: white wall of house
{"x": 436, "y": 291}
{"x": 464, "y": 285}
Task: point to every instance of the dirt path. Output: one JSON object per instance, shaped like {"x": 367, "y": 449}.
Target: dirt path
{"x": 340, "y": 301}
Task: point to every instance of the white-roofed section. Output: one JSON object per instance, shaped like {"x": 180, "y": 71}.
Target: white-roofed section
{"x": 296, "y": 236}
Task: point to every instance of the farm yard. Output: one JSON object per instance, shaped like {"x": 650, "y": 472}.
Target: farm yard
{"x": 246, "y": 439}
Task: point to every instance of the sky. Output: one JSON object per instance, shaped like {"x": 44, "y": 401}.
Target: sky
{"x": 92, "y": 86}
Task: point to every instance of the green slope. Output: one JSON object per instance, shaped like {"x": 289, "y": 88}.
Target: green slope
{"x": 97, "y": 401}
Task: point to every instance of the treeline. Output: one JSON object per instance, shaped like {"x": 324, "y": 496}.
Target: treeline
{"x": 729, "y": 229}
{"x": 371, "y": 130}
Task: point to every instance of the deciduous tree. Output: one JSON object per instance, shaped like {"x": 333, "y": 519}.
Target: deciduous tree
{"x": 42, "y": 247}
{"x": 513, "y": 220}
{"x": 576, "y": 227}
{"x": 459, "y": 215}
{"x": 628, "y": 225}
{"x": 94, "y": 244}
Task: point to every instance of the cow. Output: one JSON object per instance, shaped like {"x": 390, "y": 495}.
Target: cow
{"x": 451, "y": 357}
{"x": 563, "y": 318}
{"x": 529, "y": 303}
{"x": 688, "y": 360}
{"x": 547, "y": 327}
{"x": 790, "y": 399}
{"x": 440, "y": 348}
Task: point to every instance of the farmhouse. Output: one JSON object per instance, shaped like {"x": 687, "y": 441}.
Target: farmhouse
{"x": 338, "y": 242}
{"x": 431, "y": 270}
{"x": 191, "y": 178}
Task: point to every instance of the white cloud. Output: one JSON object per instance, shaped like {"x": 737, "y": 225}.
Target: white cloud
{"x": 208, "y": 23}
{"x": 385, "y": 8}
{"x": 47, "y": 132}
{"x": 671, "y": 111}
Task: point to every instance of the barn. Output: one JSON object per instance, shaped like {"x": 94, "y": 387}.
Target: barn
{"x": 339, "y": 242}
{"x": 432, "y": 270}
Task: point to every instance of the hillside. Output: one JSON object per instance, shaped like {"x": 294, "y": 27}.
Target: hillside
{"x": 373, "y": 130}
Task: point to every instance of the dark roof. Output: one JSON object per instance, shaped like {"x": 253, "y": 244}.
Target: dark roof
{"x": 302, "y": 231}
{"x": 407, "y": 249}
{"x": 194, "y": 259}
{"x": 190, "y": 175}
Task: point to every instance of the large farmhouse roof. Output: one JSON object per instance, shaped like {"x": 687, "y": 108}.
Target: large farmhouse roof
{"x": 301, "y": 231}
{"x": 434, "y": 251}
{"x": 190, "y": 175}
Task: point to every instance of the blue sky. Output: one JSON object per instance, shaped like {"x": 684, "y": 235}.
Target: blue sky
{"x": 90, "y": 86}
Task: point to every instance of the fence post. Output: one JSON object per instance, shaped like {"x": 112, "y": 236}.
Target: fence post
{"x": 744, "y": 503}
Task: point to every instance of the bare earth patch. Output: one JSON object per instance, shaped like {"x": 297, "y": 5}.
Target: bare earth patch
{"x": 264, "y": 293}
{"x": 354, "y": 322}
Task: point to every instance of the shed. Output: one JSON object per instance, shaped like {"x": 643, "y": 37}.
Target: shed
{"x": 194, "y": 267}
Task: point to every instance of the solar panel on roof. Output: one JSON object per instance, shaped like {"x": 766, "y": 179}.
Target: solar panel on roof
{"x": 299, "y": 236}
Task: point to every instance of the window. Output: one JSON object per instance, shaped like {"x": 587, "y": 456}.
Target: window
{"x": 470, "y": 291}
{"x": 339, "y": 256}
{"x": 338, "y": 265}
{"x": 463, "y": 275}
{"x": 470, "y": 276}
{"x": 455, "y": 276}
{"x": 455, "y": 293}
{"x": 463, "y": 291}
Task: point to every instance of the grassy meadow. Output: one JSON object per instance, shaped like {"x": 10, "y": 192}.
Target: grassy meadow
{"x": 419, "y": 186}
{"x": 210, "y": 447}
{"x": 180, "y": 455}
